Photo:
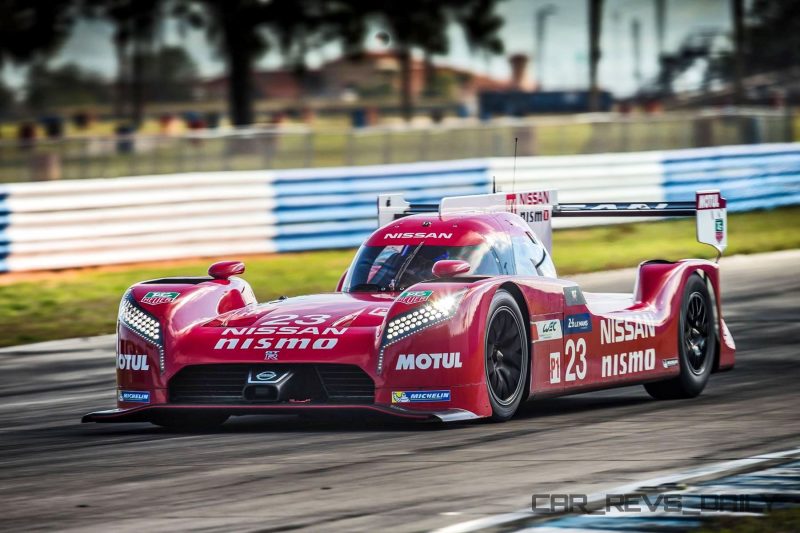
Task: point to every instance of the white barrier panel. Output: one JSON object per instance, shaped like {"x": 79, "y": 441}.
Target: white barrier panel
{"x": 78, "y": 223}
{"x": 97, "y": 222}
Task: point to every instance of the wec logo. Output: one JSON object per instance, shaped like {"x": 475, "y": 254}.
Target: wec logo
{"x": 548, "y": 330}
{"x": 424, "y": 361}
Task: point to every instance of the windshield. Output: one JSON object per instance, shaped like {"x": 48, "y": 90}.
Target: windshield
{"x": 397, "y": 266}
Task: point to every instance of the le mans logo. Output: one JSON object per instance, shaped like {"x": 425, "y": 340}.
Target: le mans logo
{"x": 155, "y": 298}
{"x": 719, "y": 228}
{"x": 414, "y": 297}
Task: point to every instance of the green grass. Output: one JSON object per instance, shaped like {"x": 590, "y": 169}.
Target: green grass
{"x": 55, "y": 305}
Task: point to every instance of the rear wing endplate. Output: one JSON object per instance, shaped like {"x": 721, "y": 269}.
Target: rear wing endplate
{"x": 538, "y": 208}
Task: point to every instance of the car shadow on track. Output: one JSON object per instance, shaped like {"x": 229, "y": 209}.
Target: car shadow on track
{"x": 608, "y": 400}
{"x": 530, "y": 410}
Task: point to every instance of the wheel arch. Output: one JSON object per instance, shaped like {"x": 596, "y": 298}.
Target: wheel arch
{"x": 516, "y": 293}
{"x": 712, "y": 294}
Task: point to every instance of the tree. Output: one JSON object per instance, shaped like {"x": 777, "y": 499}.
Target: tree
{"x": 135, "y": 23}
{"x": 168, "y": 74}
{"x": 595, "y": 21}
{"x": 765, "y": 40}
{"x": 243, "y": 30}
{"x": 6, "y": 99}
{"x": 64, "y": 86}
{"x": 30, "y": 29}
{"x": 423, "y": 25}
{"x": 772, "y": 35}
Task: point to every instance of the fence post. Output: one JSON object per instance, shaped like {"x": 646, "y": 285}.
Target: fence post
{"x": 45, "y": 166}
{"x": 351, "y": 141}
{"x": 387, "y": 147}
{"x": 424, "y": 141}
{"x": 702, "y": 132}
{"x": 625, "y": 134}
{"x": 309, "y": 144}
{"x": 751, "y": 129}
{"x": 788, "y": 124}
{"x": 496, "y": 143}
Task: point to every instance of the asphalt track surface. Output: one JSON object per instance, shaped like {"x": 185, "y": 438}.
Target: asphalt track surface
{"x": 287, "y": 474}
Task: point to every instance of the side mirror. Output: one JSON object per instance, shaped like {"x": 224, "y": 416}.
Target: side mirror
{"x": 225, "y": 269}
{"x": 447, "y": 268}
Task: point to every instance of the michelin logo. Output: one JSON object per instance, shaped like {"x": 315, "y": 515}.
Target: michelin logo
{"x": 134, "y": 396}
{"x": 420, "y": 396}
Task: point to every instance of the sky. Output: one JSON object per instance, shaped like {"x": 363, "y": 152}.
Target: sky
{"x": 565, "y": 62}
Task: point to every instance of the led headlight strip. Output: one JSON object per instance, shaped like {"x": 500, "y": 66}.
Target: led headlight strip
{"x": 143, "y": 324}
{"x": 425, "y": 316}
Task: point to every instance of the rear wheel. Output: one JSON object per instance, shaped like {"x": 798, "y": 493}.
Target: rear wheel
{"x": 189, "y": 421}
{"x": 506, "y": 356}
{"x": 696, "y": 345}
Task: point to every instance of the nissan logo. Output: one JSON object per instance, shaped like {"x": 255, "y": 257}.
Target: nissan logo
{"x": 266, "y": 376}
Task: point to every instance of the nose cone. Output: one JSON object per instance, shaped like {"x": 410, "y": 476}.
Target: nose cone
{"x": 321, "y": 310}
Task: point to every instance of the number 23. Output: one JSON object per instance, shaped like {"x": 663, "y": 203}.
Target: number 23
{"x": 573, "y": 348}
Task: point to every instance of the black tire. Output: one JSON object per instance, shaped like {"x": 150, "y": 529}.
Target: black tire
{"x": 506, "y": 356}
{"x": 697, "y": 345}
{"x": 189, "y": 421}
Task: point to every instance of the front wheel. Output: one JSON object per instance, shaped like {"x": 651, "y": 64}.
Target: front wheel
{"x": 696, "y": 345}
{"x": 506, "y": 356}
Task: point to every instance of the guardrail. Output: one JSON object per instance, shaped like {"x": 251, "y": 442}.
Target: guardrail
{"x": 66, "y": 224}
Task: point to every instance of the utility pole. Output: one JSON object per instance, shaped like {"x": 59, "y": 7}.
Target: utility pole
{"x": 595, "y": 25}
{"x": 540, "y": 28}
{"x": 636, "y": 45}
{"x": 738, "y": 49}
{"x": 661, "y": 17}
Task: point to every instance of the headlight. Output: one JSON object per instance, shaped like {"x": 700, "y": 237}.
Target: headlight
{"x": 142, "y": 323}
{"x": 425, "y": 316}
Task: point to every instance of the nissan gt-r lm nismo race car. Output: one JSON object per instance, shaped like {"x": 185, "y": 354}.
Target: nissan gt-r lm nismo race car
{"x": 447, "y": 312}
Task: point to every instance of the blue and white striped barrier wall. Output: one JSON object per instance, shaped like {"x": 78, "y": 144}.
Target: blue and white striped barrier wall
{"x": 105, "y": 221}
{"x": 750, "y": 177}
{"x": 337, "y": 208}
{"x": 78, "y": 223}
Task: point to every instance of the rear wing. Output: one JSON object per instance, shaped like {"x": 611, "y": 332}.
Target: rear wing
{"x": 538, "y": 208}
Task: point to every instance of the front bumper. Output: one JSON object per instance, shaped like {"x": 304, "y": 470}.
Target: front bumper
{"x": 145, "y": 413}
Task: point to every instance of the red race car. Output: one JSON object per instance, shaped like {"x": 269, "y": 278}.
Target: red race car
{"x": 450, "y": 312}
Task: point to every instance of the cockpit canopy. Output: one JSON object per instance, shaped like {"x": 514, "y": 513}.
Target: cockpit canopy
{"x": 381, "y": 266}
